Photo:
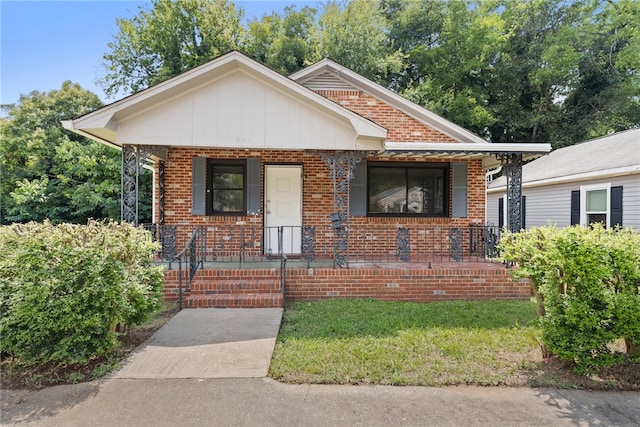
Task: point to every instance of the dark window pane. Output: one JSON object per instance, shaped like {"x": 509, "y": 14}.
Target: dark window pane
{"x": 227, "y": 201}
{"x": 595, "y": 218}
{"x": 387, "y": 190}
{"x": 426, "y": 191}
{"x": 228, "y": 177}
{"x": 226, "y": 188}
{"x": 398, "y": 190}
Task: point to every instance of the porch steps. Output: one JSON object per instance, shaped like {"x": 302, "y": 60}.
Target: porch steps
{"x": 234, "y": 289}
{"x": 260, "y": 300}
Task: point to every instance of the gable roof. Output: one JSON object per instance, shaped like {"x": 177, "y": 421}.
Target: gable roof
{"x": 611, "y": 155}
{"x": 235, "y": 102}
{"x": 329, "y": 75}
{"x": 106, "y": 124}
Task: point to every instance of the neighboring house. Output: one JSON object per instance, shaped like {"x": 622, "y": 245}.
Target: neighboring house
{"x": 593, "y": 181}
{"x": 264, "y": 164}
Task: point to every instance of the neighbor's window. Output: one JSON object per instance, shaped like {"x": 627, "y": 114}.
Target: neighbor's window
{"x": 227, "y": 187}
{"x": 596, "y": 206}
{"x": 398, "y": 190}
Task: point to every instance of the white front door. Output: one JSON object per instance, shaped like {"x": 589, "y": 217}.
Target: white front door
{"x": 283, "y": 208}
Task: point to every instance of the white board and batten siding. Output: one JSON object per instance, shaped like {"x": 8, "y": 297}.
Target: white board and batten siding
{"x": 237, "y": 111}
{"x": 552, "y": 203}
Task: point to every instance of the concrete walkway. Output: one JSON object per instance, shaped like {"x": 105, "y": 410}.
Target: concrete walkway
{"x": 208, "y": 343}
{"x": 207, "y": 367}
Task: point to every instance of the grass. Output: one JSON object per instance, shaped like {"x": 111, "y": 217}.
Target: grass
{"x": 347, "y": 341}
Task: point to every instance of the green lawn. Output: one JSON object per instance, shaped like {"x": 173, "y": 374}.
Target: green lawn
{"x": 371, "y": 342}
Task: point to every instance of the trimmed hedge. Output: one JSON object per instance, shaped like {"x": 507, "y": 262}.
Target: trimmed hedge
{"x": 64, "y": 289}
{"x": 587, "y": 281}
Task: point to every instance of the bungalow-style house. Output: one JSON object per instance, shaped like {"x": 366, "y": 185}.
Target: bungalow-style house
{"x": 593, "y": 181}
{"x": 318, "y": 185}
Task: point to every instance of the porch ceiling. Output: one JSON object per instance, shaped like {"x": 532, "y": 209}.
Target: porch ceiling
{"x": 488, "y": 152}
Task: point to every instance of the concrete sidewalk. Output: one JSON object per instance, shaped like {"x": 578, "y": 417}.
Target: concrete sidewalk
{"x": 207, "y": 367}
{"x": 208, "y": 343}
{"x": 263, "y": 402}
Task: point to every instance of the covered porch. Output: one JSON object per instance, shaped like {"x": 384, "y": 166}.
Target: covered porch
{"x": 228, "y": 266}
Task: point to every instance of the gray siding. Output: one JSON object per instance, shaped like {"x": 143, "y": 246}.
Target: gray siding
{"x": 630, "y": 200}
{"x": 552, "y": 203}
{"x": 492, "y": 208}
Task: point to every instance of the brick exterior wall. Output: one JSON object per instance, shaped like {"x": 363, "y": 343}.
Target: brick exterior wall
{"x": 407, "y": 282}
{"x": 400, "y": 127}
{"x": 317, "y": 185}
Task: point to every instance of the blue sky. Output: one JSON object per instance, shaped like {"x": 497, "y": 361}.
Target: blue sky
{"x": 44, "y": 43}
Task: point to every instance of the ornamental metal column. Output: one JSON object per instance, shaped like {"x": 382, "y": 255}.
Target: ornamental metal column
{"x": 161, "y": 191}
{"x": 133, "y": 159}
{"x": 512, "y": 163}
{"x": 341, "y": 166}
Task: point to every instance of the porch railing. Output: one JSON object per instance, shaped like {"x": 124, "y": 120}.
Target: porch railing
{"x": 241, "y": 246}
{"x": 191, "y": 256}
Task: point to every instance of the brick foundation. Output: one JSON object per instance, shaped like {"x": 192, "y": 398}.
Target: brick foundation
{"x": 414, "y": 283}
{"x": 392, "y": 282}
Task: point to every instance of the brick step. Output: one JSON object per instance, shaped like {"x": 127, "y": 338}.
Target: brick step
{"x": 234, "y": 286}
{"x": 256, "y": 300}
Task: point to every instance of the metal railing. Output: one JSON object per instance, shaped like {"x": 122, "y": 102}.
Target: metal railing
{"x": 245, "y": 246}
{"x": 191, "y": 255}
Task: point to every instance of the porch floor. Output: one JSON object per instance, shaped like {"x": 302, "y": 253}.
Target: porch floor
{"x": 328, "y": 263}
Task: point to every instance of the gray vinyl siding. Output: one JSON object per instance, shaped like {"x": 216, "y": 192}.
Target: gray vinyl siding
{"x": 552, "y": 203}
{"x": 492, "y": 208}
{"x": 630, "y": 200}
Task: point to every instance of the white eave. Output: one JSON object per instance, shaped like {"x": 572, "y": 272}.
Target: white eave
{"x": 486, "y": 151}
{"x": 102, "y": 124}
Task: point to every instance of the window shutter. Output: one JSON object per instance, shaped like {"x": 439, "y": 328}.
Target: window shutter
{"x": 616, "y": 206}
{"x": 358, "y": 190}
{"x": 253, "y": 186}
{"x": 501, "y": 212}
{"x": 523, "y": 210}
{"x": 198, "y": 185}
{"x": 575, "y": 207}
{"x": 459, "y": 197}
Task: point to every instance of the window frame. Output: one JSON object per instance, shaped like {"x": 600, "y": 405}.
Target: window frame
{"x": 446, "y": 183}
{"x": 211, "y": 165}
{"x": 584, "y": 215}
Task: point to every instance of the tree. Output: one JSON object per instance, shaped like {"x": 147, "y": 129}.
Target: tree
{"x": 170, "y": 38}
{"x": 48, "y": 172}
{"x": 355, "y": 35}
{"x": 451, "y": 48}
{"x": 606, "y": 94}
{"x": 283, "y": 43}
{"x": 569, "y": 72}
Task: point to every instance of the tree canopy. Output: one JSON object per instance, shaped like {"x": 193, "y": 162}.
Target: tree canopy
{"x": 537, "y": 71}
{"x": 49, "y": 173}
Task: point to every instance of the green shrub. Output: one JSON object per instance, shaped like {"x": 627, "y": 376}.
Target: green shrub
{"x": 63, "y": 289}
{"x": 587, "y": 279}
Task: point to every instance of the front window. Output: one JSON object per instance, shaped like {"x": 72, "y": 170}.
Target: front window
{"x": 227, "y": 187}
{"x": 419, "y": 190}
